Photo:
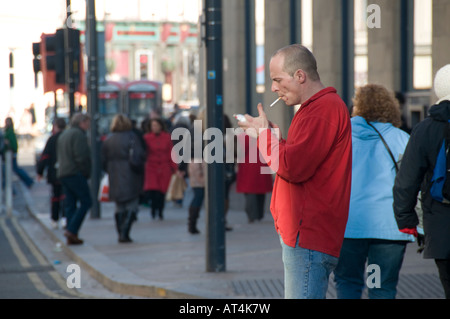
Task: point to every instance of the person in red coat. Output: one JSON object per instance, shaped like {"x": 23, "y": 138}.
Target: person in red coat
{"x": 159, "y": 166}
{"x": 313, "y": 165}
{"x": 251, "y": 180}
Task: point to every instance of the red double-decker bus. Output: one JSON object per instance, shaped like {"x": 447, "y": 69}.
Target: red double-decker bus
{"x": 110, "y": 102}
{"x": 142, "y": 98}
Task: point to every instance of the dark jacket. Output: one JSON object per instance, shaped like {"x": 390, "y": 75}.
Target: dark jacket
{"x": 415, "y": 174}
{"x": 73, "y": 153}
{"x": 124, "y": 183}
{"x": 48, "y": 159}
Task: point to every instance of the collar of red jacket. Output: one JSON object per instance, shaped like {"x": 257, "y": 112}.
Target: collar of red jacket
{"x": 319, "y": 95}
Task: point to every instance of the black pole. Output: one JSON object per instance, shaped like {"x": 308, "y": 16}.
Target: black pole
{"x": 68, "y": 49}
{"x": 348, "y": 51}
{"x": 215, "y": 199}
{"x": 92, "y": 104}
{"x": 250, "y": 57}
{"x": 406, "y": 45}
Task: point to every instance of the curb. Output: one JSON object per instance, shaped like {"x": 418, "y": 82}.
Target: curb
{"x": 135, "y": 286}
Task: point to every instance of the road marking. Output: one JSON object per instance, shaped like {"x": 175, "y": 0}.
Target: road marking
{"x": 24, "y": 262}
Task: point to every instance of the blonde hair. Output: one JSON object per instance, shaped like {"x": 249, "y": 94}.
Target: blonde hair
{"x": 120, "y": 123}
{"x": 375, "y": 103}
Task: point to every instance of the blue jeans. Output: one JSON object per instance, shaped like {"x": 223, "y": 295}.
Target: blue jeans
{"x": 349, "y": 273}
{"x": 199, "y": 195}
{"x": 76, "y": 189}
{"x": 20, "y": 172}
{"x": 306, "y": 272}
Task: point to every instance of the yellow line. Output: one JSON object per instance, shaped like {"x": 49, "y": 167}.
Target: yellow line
{"x": 57, "y": 277}
{"x": 34, "y": 278}
{"x": 39, "y": 284}
{"x": 42, "y": 261}
{"x": 14, "y": 245}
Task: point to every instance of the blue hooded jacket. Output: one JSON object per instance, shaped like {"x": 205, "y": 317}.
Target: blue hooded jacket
{"x": 371, "y": 213}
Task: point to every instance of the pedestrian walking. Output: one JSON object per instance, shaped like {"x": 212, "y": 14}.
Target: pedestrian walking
{"x": 229, "y": 164}
{"x": 197, "y": 180}
{"x": 251, "y": 180}
{"x": 125, "y": 184}
{"x": 371, "y": 234}
{"x": 10, "y": 144}
{"x": 73, "y": 170}
{"x": 311, "y": 193}
{"x": 196, "y": 171}
{"x": 159, "y": 166}
{"x": 415, "y": 175}
{"x": 47, "y": 162}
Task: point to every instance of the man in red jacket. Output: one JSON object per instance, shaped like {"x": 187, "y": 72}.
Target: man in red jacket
{"x": 311, "y": 194}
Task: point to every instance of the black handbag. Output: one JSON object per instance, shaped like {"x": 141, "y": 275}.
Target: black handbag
{"x": 136, "y": 159}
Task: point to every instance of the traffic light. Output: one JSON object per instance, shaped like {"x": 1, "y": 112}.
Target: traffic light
{"x": 49, "y": 58}
{"x": 37, "y": 57}
{"x": 74, "y": 36}
{"x": 55, "y": 55}
{"x": 55, "y": 45}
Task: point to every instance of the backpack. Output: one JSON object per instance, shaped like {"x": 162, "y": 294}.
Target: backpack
{"x": 440, "y": 181}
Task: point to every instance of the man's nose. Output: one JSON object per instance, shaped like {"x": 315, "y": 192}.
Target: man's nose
{"x": 274, "y": 87}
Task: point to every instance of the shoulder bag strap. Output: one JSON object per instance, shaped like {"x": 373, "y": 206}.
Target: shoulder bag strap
{"x": 385, "y": 144}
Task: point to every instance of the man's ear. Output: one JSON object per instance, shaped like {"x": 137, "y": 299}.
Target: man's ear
{"x": 300, "y": 75}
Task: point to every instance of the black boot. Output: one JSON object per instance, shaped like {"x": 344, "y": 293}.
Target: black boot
{"x": 124, "y": 234}
{"x": 192, "y": 220}
{"x": 118, "y": 216}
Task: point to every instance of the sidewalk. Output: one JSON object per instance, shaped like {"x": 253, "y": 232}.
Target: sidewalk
{"x": 165, "y": 261}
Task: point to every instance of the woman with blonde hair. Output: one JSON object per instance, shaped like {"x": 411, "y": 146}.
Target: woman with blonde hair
{"x": 125, "y": 183}
{"x": 372, "y": 235}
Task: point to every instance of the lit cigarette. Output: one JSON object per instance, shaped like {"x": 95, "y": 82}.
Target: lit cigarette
{"x": 275, "y": 102}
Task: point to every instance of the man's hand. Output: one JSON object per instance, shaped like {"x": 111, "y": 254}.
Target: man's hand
{"x": 253, "y": 125}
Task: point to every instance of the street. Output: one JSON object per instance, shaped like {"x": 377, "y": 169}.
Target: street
{"x": 25, "y": 273}
{"x": 32, "y": 266}
{"x": 165, "y": 261}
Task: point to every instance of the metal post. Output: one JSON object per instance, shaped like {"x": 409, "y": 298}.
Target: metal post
{"x": 92, "y": 102}
{"x": 215, "y": 190}
{"x": 406, "y": 45}
{"x": 348, "y": 51}
{"x": 68, "y": 49}
{"x": 250, "y": 57}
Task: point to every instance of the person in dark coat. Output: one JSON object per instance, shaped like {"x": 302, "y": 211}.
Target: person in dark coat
{"x": 47, "y": 162}
{"x": 73, "y": 171}
{"x": 415, "y": 174}
{"x": 125, "y": 184}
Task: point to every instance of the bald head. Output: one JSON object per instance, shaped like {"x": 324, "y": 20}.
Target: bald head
{"x": 297, "y": 57}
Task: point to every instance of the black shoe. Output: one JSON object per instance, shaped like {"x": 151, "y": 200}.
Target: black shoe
{"x": 194, "y": 231}
{"x": 125, "y": 240}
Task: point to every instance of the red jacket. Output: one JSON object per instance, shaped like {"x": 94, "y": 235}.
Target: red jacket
{"x": 159, "y": 166}
{"x": 311, "y": 193}
{"x": 249, "y": 178}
